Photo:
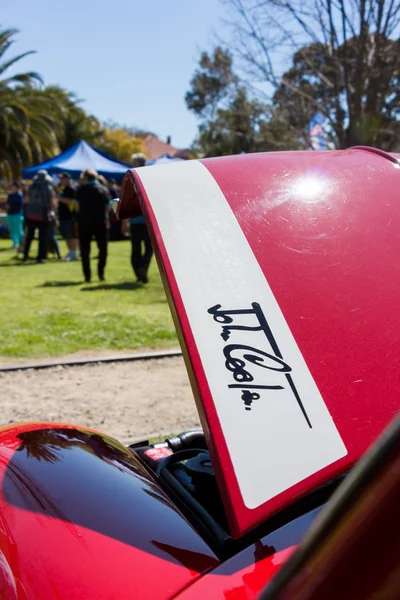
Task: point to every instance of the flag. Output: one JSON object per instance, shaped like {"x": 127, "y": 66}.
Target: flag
{"x": 317, "y": 133}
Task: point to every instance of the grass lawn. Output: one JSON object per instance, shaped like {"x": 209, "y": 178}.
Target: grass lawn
{"x": 46, "y": 310}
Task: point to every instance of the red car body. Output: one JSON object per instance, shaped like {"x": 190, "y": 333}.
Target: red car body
{"x": 282, "y": 273}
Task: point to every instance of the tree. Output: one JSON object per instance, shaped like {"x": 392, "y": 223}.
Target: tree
{"x": 346, "y": 62}
{"x": 119, "y": 144}
{"x": 232, "y": 122}
{"x": 211, "y": 83}
{"x": 25, "y": 124}
{"x": 303, "y": 94}
{"x": 233, "y": 129}
{"x": 40, "y": 126}
{"x": 73, "y": 123}
{"x": 245, "y": 125}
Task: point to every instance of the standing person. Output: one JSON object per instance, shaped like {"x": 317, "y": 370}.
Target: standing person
{"x": 41, "y": 202}
{"x": 15, "y": 217}
{"x": 52, "y": 243}
{"x": 142, "y": 250}
{"x": 113, "y": 188}
{"x": 25, "y": 195}
{"x": 67, "y": 215}
{"x": 93, "y": 220}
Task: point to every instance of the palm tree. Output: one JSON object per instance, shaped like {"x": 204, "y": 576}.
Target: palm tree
{"x": 73, "y": 123}
{"x": 26, "y": 127}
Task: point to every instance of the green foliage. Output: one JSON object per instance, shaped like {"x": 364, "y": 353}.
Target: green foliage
{"x": 344, "y": 57}
{"x": 245, "y": 126}
{"x": 47, "y": 311}
{"x": 38, "y": 122}
{"x": 118, "y": 143}
{"x": 233, "y": 122}
{"x": 210, "y": 83}
{"x": 73, "y": 124}
{"x": 26, "y": 123}
{"x": 327, "y": 83}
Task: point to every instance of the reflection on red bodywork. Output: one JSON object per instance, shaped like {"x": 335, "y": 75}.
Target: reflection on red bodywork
{"x": 81, "y": 518}
{"x": 241, "y": 578}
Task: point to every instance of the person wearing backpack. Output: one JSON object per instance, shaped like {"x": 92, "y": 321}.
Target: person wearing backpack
{"x": 41, "y": 203}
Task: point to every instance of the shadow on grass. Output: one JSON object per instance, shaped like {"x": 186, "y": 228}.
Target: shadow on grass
{"x": 126, "y": 285}
{"x": 18, "y": 263}
{"x": 53, "y": 284}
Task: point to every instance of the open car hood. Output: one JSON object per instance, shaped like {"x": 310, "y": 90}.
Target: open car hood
{"x": 282, "y": 274}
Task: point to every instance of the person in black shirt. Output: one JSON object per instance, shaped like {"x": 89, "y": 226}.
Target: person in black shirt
{"x": 67, "y": 215}
{"x": 93, "y": 220}
{"x": 113, "y": 189}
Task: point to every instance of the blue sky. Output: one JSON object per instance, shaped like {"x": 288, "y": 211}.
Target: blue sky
{"x": 131, "y": 61}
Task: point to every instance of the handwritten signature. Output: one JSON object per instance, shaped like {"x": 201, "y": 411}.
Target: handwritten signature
{"x": 249, "y": 355}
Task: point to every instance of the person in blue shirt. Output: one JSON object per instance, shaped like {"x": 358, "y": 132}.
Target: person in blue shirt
{"x": 15, "y": 218}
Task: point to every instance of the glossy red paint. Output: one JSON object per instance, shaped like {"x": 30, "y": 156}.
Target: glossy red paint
{"x": 241, "y": 578}
{"x": 353, "y": 549}
{"x": 246, "y": 574}
{"x": 325, "y": 230}
{"x": 80, "y": 517}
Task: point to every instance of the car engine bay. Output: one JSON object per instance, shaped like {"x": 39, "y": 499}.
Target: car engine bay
{"x": 182, "y": 466}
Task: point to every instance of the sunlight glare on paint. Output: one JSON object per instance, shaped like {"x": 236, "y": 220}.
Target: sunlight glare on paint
{"x": 310, "y": 188}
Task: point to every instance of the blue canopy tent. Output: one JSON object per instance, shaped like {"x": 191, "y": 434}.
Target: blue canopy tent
{"x": 76, "y": 159}
{"x": 163, "y": 160}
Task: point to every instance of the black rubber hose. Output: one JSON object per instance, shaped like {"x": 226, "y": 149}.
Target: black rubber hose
{"x": 187, "y": 440}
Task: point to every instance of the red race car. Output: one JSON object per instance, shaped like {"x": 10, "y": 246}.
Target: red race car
{"x": 282, "y": 271}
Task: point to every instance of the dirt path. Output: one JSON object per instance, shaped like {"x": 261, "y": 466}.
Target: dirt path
{"x": 124, "y": 400}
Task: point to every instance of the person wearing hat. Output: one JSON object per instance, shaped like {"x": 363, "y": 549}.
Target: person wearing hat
{"x": 67, "y": 215}
{"x": 94, "y": 204}
{"x": 41, "y": 203}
